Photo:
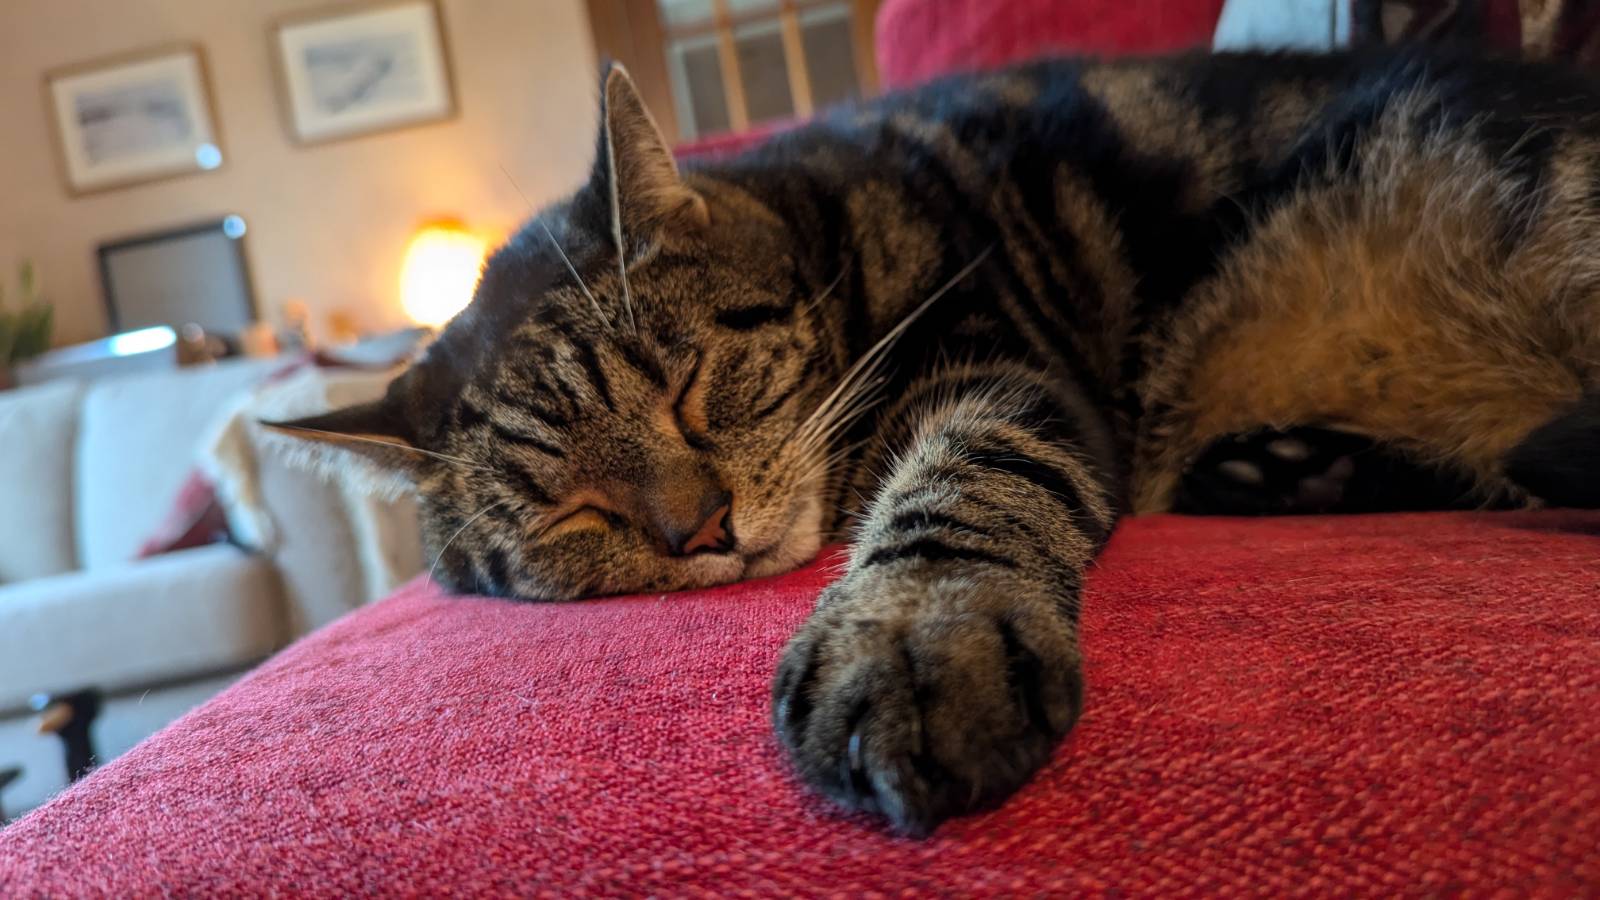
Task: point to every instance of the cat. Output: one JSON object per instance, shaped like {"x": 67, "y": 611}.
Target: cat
{"x": 970, "y": 326}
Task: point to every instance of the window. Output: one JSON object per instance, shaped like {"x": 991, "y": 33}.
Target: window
{"x": 712, "y": 66}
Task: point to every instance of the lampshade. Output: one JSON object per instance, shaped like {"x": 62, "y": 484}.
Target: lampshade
{"x": 440, "y": 271}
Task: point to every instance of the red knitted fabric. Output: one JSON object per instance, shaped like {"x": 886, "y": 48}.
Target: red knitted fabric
{"x": 918, "y": 39}
{"x": 1318, "y": 706}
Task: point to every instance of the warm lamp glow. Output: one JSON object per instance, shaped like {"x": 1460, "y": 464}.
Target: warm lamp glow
{"x": 440, "y": 271}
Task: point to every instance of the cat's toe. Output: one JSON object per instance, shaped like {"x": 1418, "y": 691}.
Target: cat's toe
{"x": 1242, "y": 471}
{"x": 1325, "y": 490}
{"x": 1290, "y": 449}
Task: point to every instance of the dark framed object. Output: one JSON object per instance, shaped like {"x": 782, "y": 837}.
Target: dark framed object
{"x": 362, "y": 69}
{"x": 197, "y": 274}
{"x": 132, "y": 118}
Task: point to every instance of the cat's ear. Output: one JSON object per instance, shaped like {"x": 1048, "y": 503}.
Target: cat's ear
{"x": 370, "y": 441}
{"x": 634, "y": 167}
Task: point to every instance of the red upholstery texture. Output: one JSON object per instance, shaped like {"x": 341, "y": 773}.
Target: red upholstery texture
{"x": 1326, "y": 706}
{"x": 918, "y": 39}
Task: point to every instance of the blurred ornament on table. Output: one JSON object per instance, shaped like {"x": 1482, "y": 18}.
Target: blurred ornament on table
{"x": 296, "y": 333}
{"x": 260, "y": 340}
{"x": 196, "y": 346}
{"x": 342, "y": 328}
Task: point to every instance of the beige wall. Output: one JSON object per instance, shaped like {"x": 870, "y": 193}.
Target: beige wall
{"x": 327, "y": 223}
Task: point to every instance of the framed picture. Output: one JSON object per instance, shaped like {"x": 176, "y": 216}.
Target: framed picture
{"x": 131, "y": 119}
{"x": 356, "y": 71}
{"x": 196, "y": 274}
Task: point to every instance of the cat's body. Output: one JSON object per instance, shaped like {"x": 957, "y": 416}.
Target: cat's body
{"x": 1068, "y": 283}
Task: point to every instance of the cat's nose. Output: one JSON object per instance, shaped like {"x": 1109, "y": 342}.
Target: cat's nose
{"x": 708, "y": 530}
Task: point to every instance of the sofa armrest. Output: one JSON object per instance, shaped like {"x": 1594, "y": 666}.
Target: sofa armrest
{"x": 164, "y": 619}
{"x": 335, "y": 548}
{"x": 335, "y": 545}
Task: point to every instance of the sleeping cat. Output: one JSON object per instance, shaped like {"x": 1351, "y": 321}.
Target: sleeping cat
{"x": 984, "y": 319}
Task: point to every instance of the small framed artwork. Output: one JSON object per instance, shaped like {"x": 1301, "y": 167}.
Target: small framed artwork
{"x": 354, "y": 71}
{"x": 132, "y": 119}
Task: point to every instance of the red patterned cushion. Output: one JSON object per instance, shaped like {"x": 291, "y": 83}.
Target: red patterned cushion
{"x": 919, "y": 39}
{"x": 729, "y": 144}
{"x": 1370, "y": 706}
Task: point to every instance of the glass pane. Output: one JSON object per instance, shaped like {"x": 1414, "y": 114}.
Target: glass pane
{"x": 762, "y": 69}
{"x": 677, "y": 13}
{"x": 830, "y": 54}
{"x": 738, "y": 7}
{"x": 697, "y": 87}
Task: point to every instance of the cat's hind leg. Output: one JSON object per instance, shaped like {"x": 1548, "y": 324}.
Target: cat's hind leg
{"x": 1389, "y": 303}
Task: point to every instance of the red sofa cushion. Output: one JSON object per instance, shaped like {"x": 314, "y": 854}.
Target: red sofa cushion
{"x": 919, "y": 39}
{"x": 1371, "y": 705}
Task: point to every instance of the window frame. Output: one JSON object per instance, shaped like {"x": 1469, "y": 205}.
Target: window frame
{"x": 633, "y": 33}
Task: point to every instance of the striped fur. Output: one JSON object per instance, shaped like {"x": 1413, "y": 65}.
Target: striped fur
{"x": 970, "y": 326}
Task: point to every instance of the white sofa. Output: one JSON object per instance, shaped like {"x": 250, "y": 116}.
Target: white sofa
{"x": 87, "y": 473}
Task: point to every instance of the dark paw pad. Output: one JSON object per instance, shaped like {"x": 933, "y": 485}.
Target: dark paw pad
{"x": 1312, "y": 470}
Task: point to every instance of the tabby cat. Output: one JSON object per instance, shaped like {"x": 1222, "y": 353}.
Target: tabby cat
{"x": 969, "y": 326}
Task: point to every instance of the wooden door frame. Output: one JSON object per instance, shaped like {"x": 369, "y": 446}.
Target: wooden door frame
{"x": 629, "y": 31}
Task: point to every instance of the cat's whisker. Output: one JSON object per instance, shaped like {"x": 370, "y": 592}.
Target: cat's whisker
{"x": 403, "y": 448}
{"x": 859, "y": 396}
{"x": 823, "y": 468}
{"x": 814, "y": 302}
{"x": 518, "y": 188}
{"x": 826, "y": 476}
{"x": 841, "y": 395}
{"x": 848, "y": 416}
{"x": 817, "y": 471}
{"x": 574, "y": 270}
{"x": 556, "y": 244}
{"x": 464, "y": 525}
{"x": 878, "y": 351}
{"x": 828, "y": 428}
{"x": 864, "y": 395}
{"x": 863, "y": 398}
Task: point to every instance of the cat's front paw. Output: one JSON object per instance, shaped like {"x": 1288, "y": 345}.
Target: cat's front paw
{"x": 920, "y": 701}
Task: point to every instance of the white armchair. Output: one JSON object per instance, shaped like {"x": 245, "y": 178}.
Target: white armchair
{"x": 87, "y": 473}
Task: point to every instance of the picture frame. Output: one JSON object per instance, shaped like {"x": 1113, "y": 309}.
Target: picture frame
{"x": 133, "y": 118}
{"x": 196, "y": 273}
{"x": 357, "y": 70}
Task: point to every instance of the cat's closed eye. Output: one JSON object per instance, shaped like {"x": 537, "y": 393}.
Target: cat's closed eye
{"x": 587, "y": 517}
{"x": 688, "y": 409}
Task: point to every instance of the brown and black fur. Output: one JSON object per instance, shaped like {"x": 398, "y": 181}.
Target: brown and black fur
{"x": 970, "y": 326}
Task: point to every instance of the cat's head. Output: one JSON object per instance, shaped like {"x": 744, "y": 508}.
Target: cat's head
{"x": 578, "y": 432}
